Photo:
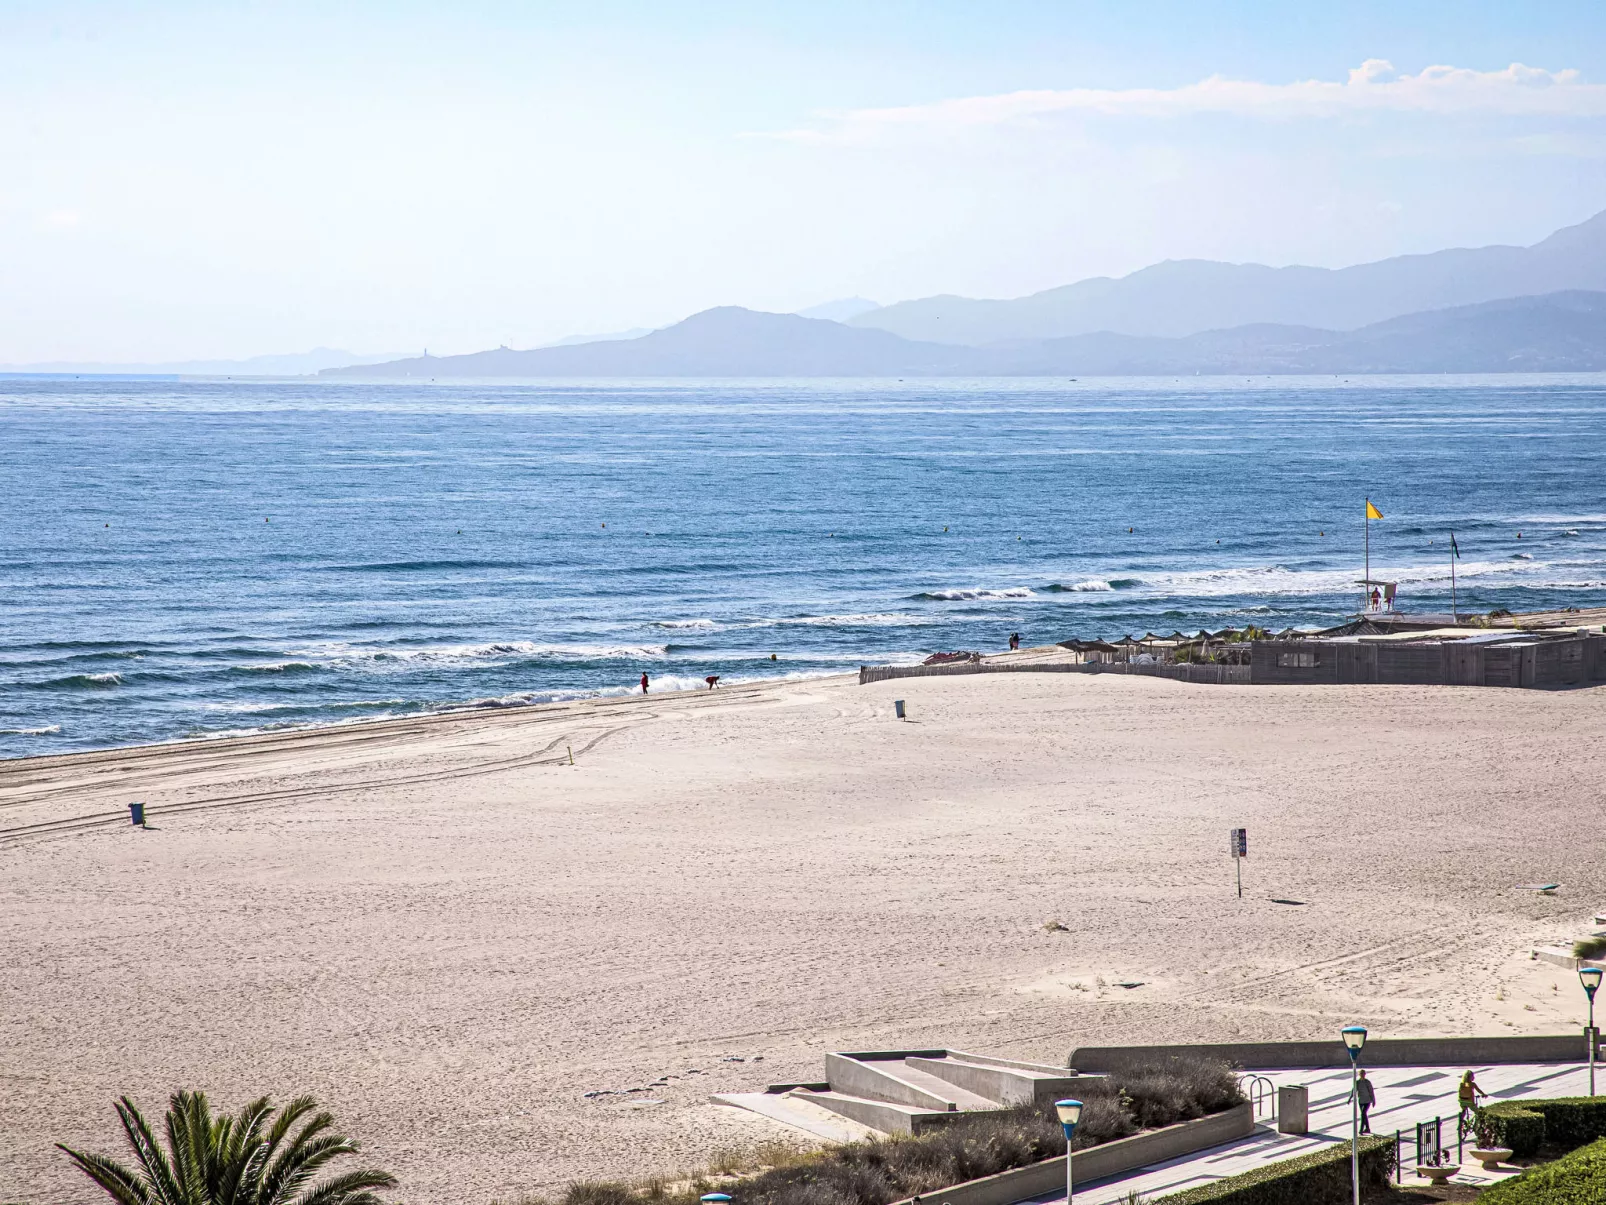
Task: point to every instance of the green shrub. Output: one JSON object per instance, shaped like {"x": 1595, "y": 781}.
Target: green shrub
{"x": 1525, "y": 1126}
{"x": 966, "y": 1148}
{"x": 1575, "y": 1179}
{"x": 1572, "y": 1120}
{"x": 1513, "y": 1126}
{"x": 1589, "y": 947}
{"x": 1319, "y": 1179}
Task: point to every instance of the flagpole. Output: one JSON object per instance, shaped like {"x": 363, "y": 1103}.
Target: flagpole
{"x": 1453, "y": 614}
{"x": 1366, "y": 585}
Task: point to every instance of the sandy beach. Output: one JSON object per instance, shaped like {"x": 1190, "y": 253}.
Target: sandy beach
{"x": 450, "y": 934}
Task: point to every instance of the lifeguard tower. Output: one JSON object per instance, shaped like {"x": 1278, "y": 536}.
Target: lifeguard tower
{"x": 1377, "y": 597}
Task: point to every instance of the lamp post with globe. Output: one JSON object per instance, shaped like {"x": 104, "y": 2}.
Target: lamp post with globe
{"x": 1354, "y": 1039}
{"x": 1070, "y": 1112}
{"x": 1590, "y": 978}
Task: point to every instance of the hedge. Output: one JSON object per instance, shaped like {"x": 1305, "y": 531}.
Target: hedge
{"x": 1575, "y": 1179}
{"x": 1524, "y": 1126}
{"x": 1319, "y": 1179}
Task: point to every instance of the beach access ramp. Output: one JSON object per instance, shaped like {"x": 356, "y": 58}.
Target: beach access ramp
{"x": 903, "y": 1091}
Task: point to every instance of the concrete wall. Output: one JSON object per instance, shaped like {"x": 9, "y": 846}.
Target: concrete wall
{"x": 1098, "y": 1162}
{"x": 1003, "y": 1084}
{"x": 1379, "y": 1052}
{"x": 849, "y": 1075}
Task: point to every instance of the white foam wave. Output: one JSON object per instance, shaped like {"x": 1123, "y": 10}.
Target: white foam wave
{"x": 979, "y": 594}
{"x": 401, "y": 659}
{"x": 1280, "y": 580}
{"x": 104, "y": 679}
{"x": 42, "y": 730}
{"x": 697, "y": 624}
{"x": 1092, "y": 585}
{"x": 874, "y": 620}
{"x": 302, "y": 705}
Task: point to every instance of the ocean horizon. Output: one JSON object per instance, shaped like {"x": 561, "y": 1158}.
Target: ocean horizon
{"x": 198, "y": 558}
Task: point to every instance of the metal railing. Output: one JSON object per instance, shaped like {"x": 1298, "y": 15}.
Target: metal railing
{"x": 1262, "y": 1094}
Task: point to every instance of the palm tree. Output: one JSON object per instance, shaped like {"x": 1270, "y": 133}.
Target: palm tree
{"x": 249, "y": 1159}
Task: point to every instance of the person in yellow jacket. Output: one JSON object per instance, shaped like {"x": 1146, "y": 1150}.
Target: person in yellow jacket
{"x": 1467, "y": 1094}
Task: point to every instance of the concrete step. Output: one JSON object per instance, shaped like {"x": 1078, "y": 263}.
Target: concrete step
{"x": 883, "y": 1115}
{"x": 980, "y": 1078}
{"x": 1562, "y": 956}
{"x": 921, "y": 1073}
{"x": 878, "y": 1076}
{"x": 805, "y": 1115}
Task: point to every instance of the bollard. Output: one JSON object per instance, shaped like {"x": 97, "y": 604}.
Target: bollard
{"x": 897, "y": 705}
{"x": 136, "y": 812}
{"x": 1293, "y": 1109}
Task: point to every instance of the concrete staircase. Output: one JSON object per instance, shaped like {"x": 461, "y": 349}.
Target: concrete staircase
{"x": 903, "y": 1092}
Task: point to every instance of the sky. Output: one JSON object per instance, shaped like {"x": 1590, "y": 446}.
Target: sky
{"x": 184, "y": 181}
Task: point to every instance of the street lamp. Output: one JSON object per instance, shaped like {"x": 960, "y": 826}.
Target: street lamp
{"x": 1590, "y": 978}
{"x": 1070, "y": 1112}
{"x": 1354, "y": 1039}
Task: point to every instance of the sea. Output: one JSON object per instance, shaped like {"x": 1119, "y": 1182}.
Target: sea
{"x": 184, "y": 559}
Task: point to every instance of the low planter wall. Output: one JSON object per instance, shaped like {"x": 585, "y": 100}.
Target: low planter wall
{"x": 1098, "y": 1162}
{"x": 1379, "y": 1052}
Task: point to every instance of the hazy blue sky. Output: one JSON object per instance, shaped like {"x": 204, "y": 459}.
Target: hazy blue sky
{"x": 205, "y": 180}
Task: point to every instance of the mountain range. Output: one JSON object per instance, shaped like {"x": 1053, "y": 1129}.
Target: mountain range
{"x": 1183, "y": 297}
{"x": 1488, "y": 309}
{"x": 1556, "y": 332}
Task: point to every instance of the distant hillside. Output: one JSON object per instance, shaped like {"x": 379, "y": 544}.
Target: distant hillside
{"x": 1560, "y": 332}
{"x": 840, "y": 311}
{"x": 724, "y": 342}
{"x": 1184, "y": 297}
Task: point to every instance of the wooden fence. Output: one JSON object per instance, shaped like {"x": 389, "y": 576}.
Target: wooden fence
{"x": 1220, "y": 674}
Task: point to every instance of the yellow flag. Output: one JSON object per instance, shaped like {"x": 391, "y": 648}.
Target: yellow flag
{"x": 1371, "y": 511}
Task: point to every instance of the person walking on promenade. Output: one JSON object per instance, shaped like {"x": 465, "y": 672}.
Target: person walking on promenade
{"x": 1467, "y": 1096}
{"x": 643, "y": 683}
{"x": 1366, "y": 1097}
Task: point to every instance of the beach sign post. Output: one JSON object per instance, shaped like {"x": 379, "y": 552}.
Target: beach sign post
{"x": 1238, "y": 846}
{"x": 1455, "y": 555}
{"x": 1371, "y": 513}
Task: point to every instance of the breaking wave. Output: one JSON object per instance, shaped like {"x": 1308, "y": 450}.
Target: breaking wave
{"x": 977, "y": 595}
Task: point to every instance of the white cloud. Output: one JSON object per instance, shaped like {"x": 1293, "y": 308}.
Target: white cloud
{"x": 1374, "y": 86}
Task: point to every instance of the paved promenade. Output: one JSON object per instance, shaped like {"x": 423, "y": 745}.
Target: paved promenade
{"x": 1405, "y": 1096}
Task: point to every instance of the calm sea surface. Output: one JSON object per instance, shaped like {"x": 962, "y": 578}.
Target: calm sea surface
{"x": 198, "y": 558}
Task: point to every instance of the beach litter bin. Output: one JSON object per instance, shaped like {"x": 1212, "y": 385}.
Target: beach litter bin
{"x": 897, "y": 706}
{"x": 1293, "y": 1109}
{"x": 136, "y": 813}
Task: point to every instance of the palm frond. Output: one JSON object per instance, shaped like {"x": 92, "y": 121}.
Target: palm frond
{"x": 119, "y": 1182}
{"x": 160, "y": 1174}
{"x": 250, "y": 1158}
{"x": 300, "y": 1162}
{"x": 350, "y": 1188}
